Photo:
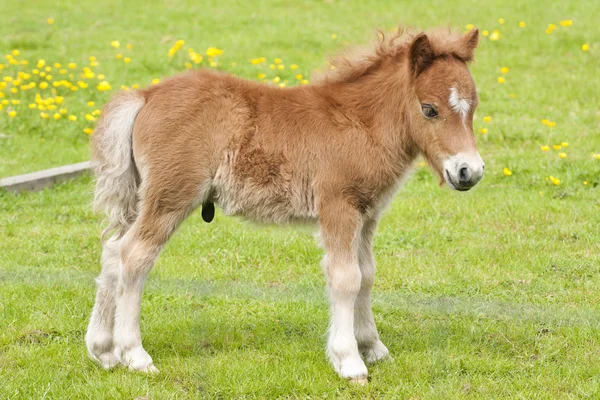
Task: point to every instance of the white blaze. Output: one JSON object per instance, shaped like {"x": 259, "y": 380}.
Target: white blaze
{"x": 459, "y": 104}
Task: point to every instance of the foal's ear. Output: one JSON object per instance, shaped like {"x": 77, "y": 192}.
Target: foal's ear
{"x": 421, "y": 54}
{"x": 467, "y": 45}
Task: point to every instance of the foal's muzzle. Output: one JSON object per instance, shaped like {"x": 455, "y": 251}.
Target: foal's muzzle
{"x": 463, "y": 171}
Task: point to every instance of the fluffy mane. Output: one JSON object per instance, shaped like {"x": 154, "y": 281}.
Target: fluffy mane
{"x": 356, "y": 62}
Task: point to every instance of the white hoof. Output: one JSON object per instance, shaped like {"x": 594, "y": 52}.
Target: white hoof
{"x": 352, "y": 368}
{"x": 376, "y": 352}
{"x": 138, "y": 359}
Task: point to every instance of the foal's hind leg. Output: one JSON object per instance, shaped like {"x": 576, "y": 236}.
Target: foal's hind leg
{"x": 364, "y": 325}
{"x": 340, "y": 225}
{"x": 99, "y": 336}
{"x": 141, "y": 246}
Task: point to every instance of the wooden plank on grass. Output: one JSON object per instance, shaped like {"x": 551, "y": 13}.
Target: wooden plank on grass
{"x": 44, "y": 179}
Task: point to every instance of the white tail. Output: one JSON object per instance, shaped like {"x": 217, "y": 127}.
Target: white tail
{"x": 116, "y": 174}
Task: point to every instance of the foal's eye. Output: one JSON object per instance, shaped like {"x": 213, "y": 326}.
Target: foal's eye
{"x": 429, "y": 111}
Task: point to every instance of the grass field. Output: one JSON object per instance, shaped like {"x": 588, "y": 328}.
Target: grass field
{"x": 492, "y": 293}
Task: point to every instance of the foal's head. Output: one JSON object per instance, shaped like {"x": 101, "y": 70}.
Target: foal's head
{"x": 441, "y": 112}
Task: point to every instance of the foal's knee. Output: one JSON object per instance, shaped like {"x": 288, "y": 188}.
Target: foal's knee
{"x": 343, "y": 279}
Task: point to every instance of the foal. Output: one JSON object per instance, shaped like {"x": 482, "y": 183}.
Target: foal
{"x": 333, "y": 152}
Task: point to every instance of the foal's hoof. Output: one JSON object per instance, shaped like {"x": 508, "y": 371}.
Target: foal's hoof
{"x": 107, "y": 360}
{"x": 136, "y": 359}
{"x": 354, "y": 370}
{"x": 100, "y": 348}
{"x": 359, "y": 381}
{"x": 376, "y": 352}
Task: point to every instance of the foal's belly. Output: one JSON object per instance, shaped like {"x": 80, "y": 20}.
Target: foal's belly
{"x": 263, "y": 189}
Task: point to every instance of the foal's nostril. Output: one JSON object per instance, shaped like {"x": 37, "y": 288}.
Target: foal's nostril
{"x": 463, "y": 176}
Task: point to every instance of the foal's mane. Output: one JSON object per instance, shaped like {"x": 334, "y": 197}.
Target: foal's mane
{"x": 356, "y": 62}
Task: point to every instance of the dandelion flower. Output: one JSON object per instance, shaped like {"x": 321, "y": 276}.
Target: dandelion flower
{"x": 585, "y": 47}
{"x": 12, "y": 113}
{"x": 545, "y": 148}
{"x": 72, "y": 118}
{"x": 504, "y": 70}
{"x": 50, "y": 21}
{"x": 44, "y": 115}
{"x": 304, "y": 82}
{"x": 299, "y": 77}
{"x": 507, "y": 172}
{"x": 495, "y": 35}
{"x": 32, "y": 105}
{"x": 566, "y": 22}
{"x": 276, "y": 79}
{"x": 555, "y": 181}
{"x": 551, "y": 124}
{"x": 550, "y": 28}
{"x": 103, "y": 86}
{"x": 129, "y": 46}
{"x": 280, "y": 66}
{"x": 485, "y": 33}
{"x": 545, "y": 121}
{"x": 501, "y": 79}
{"x": 213, "y": 52}
{"x": 557, "y": 147}
{"x": 261, "y": 76}
{"x": 277, "y": 61}
{"x": 155, "y": 81}
{"x": 522, "y": 24}
{"x": 43, "y": 85}
{"x": 564, "y": 144}
{"x": 562, "y": 155}
{"x": 188, "y": 65}
{"x": 119, "y": 56}
{"x": 334, "y": 36}
{"x": 293, "y": 66}
{"x": 470, "y": 26}
{"x": 483, "y": 131}
{"x": 56, "y": 116}
{"x": 115, "y": 44}
{"x": 127, "y": 60}
{"x": 88, "y": 131}
{"x": 585, "y": 183}
{"x": 500, "y": 20}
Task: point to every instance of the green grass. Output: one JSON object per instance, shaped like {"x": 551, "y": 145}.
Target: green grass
{"x": 487, "y": 294}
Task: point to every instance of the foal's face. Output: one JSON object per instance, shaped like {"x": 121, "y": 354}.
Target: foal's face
{"x": 442, "y": 120}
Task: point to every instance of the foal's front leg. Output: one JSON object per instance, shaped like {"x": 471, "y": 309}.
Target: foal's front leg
{"x": 340, "y": 224}
{"x": 365, "y": 330}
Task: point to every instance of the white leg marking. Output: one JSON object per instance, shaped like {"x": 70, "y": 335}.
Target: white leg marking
{"x": 99, "y": 336}
{"x": 371, "y": 348}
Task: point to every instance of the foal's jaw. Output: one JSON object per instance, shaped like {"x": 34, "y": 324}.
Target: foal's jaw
{"x": 463, "y": 170}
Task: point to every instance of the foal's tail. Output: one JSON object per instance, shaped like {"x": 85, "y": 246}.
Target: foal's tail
{"x": 117, "y": 177}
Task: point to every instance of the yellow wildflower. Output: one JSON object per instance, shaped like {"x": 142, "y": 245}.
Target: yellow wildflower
{"x": 272, "y": 66}
{"x": 88, "y": 131}
{"x": 256, "y": 61}
{"x": 585, "y": 47}
{"x": 334, "y": 36}
{"x": 280, "y": 66}
{"x": 72, "y": 65}
{"x": 585, "y": 183}
{"x": 470, "y": 26}
{"x": 299, "y": 76}
{"x": 103, "y": 86}
{"x": 562, "y": 155}
{"x": 304, "y": 82}
{"x": 127, "y": 60}
{"x": 555, "y": 181}
{"x": 135, "y": 86}
{"x": 119, "y": 56}
{"x": 483, "y": 131}
{"x": 44, "y": 115}
{"x": 96, "y": 112}
{"x": 545, "y": 121}
{"x": 487, "y": 119}
{"x": 72, "y": 118}
{"x": 89, "y": 117}
{"x": 82, "y": 84}
{"x": 155, "y": 81}
{"x": 32, "y": 105}
{"x": 551, "y": 124}
{"x": 56, "y": 116}
{"x": 495, "y": 35}
{"x": 557, "y": 147}
{"x": 564, "y": 144}
{"x": 504, "y": 70}
{"x": 522, "y": 24}
{"x": 276, "y": 79}
{"x": 50, "y": 21}
{"x": 566, "y": 22}
{"x": 115, "y": 44}
{"x": 188, "y": 65}
{"x": 100, "y": 77}
{"x": 43, "y": 85}
{"x": 12, "y": 113}
{"x": 500, "y": 20}
{"x": 545, "y": 148}
{"x": 213, "y": 52}
{"x": 277, "y": 61}
{"x": 129, "y": 46}
{"x": 261, "y": 76}
{"x": 507, "y": 172}
{"x": 485, "y": 33}
{"x": 550, "y": 28}
{"x": 293, "y": 66}
{"x": 501, "y": 79}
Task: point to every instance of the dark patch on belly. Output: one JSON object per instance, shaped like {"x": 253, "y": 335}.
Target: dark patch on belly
{"x": 361, "y": 197}
{"x": 260, "y": 167}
